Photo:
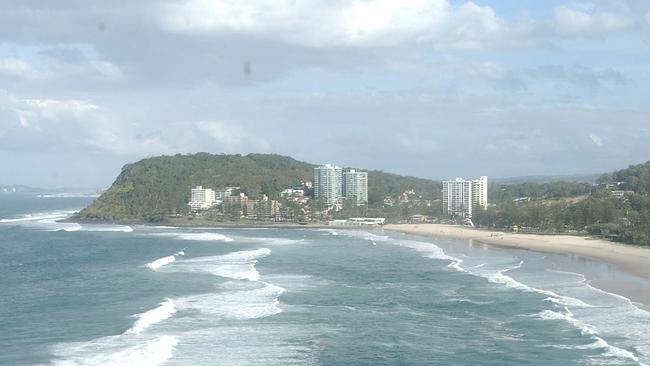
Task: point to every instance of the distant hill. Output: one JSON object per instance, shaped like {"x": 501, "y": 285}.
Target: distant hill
{"x": 153, "y": 188}
{"x": 18, "y": 188}
{"x": 633, "y": 178}
{"x": 540, "y": 179}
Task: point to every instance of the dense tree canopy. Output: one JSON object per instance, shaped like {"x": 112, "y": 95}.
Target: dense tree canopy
{"x": 157, "y": 187}
{"x": 562, "y": 207}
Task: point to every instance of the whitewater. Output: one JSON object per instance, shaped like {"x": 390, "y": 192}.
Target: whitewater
{"x": 145, "y": 295}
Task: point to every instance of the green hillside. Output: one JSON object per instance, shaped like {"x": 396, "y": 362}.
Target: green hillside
{"x": 154, "y": 188}
{"x": 616, "y": 208}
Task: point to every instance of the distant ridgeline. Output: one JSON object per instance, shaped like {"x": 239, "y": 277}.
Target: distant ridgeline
{"x": 616, "y": 207}
{"x": 156, "y": 188}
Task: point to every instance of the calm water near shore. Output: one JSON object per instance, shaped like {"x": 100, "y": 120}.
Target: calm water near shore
{"x": 77, "y": 294}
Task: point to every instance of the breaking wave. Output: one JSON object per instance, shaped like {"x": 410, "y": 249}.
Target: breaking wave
{"x": 586, "y": 329}
{"x": 117, "y": 351}
{"x": 151, "y": 317}
{"x": 237, "y": 265}
{"x": 197, "y": 236}
{"x": 54, "y": 215}
{"x": 430, "y": 250}
{"x": 128, "y": 348}
{"x": 236, "y": 302}
{"x": 164, "y": 260}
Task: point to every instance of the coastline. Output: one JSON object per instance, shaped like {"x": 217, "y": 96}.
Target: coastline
{"x": 629, "y": 258}
{"x": 198, "y": 224}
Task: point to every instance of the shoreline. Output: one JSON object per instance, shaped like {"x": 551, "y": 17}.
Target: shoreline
{"x": 203, "y": 224}
{"x": 629, "y": 259}
{"x": 221, "y": 225}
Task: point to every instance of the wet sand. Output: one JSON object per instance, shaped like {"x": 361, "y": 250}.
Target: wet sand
{"x": 630, "y": 258}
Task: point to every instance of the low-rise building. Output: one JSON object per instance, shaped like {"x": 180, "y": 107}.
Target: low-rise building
{"x": 201, "y": 198}
{"x": 359, "y": 221}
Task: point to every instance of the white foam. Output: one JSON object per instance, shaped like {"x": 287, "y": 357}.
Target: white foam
{"x": 197, "y": 236}
{"x": 432, "y": 251}
{"x": 109, "y": 228}
{"x": 501, "y": 278}
{"x": 237, "y": 265}
{"x": 359, "y": 234}
{"x": 50, "y": 221}
{"x": 68, "y": 195}
{"x": 164, "y": 311}
{"x": 116, "y": 351}
{"x": 272, "y": 241}
{"x": 164, "y": 260}
{"x": 162, "y": 227}
{"x": 161, "y": 262}
{"x": 54, "y": 215}
{"x": 236, "y": 302}
{"x": 69, "y": 227}
{"x": 586, "y": 329}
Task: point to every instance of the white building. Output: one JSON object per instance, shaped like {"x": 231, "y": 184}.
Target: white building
{"x": 202, "y": 198}
{"x": 457, "y": 197}
{"x": 327, "y": 184}
{"x": 480, "y": 193}
{"x": 462, "y": 197}
{"x": 355, "y": 186}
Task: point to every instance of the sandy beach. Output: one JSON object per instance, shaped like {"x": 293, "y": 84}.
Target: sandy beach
{"x": 629, "y": 258}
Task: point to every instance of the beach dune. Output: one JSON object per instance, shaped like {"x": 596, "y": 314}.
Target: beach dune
{"x": 629, "y": 258}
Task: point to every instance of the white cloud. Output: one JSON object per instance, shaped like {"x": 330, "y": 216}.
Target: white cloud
{"x": 346, "y": 23}
{"x": 590, "y": 22}
{"x": 14, "y": 67}
{"x": 33, "y": 113}
{"x": 58, "y": 125}
{"x": 596, "y": 139}
{"x": 107, "y": 70}
{"x": 232, "y": 138}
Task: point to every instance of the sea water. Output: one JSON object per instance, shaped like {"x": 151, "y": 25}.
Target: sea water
{"x": 78, "y": 294}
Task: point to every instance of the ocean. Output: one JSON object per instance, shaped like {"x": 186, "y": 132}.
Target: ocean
{"x": 79, "y": 294}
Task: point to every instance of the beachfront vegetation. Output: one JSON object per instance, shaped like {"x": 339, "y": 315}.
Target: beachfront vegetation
{"x": 617, "y": 207}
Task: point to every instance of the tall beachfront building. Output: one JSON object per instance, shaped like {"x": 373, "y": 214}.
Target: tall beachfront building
{"x": 202, "y": 198}
{"x": 462, "y": 197}
{"x": 328, "y": 184}
{"x": 480, "y": 193}
{"x": 355, "y": 186}
{"x": 457, "y": 197}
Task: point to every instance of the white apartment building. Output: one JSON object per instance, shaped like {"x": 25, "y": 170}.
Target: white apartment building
{"x": 355, "y": 186}
{"x": 328, "y": 184}
{"x": 202, "y": 198}
{"x": 462, "y": 197}
{"x": 457, "y": 197}
{"x": 480, "y": 193}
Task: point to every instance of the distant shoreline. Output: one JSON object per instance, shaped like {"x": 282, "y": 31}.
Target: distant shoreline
{"x": 204, "y": 224}
{"x": 629, "y": 258}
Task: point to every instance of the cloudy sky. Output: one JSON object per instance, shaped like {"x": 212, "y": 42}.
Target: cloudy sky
{"x": 432, "y": 88}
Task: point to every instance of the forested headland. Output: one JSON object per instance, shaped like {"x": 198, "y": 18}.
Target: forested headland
{"x": 616, "y": 206}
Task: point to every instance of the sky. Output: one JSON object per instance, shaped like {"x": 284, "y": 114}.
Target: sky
{"x": 430, "y": 88}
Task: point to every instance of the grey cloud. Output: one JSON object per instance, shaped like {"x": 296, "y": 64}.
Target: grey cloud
{"x": 429, "y": 102}
{"x": 580, "y": 75}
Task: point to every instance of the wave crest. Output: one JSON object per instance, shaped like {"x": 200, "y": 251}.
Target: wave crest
{"x": 164, "y": 311}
